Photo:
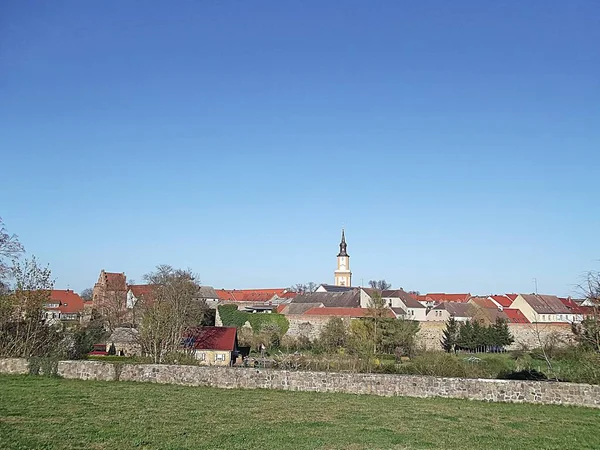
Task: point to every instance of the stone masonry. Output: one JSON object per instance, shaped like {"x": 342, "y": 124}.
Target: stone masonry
{"x": 351, "y": 383}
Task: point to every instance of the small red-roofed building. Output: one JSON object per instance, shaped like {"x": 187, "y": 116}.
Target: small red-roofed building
{"x": 514, "y": 316}
{"x": 503, "y": 301}
{"x": 213, "y": 346}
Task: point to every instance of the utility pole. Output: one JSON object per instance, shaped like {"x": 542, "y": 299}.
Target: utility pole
{"x": 535, "y": 281}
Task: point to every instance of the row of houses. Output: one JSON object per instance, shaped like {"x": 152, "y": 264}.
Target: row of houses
{"x": 343, "y": 301}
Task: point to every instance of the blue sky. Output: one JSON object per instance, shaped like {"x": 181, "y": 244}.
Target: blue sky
{"x": 457, "y": 142}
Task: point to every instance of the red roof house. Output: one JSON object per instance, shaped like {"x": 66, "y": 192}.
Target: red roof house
{"x": 212, "y": 345}
{"x": 440, "y": 297}
{"x": 251, "y": 295}
{"x": 503, "y": 300}
{"x": 64, "y": 304}
{"x": 515, "y": 315}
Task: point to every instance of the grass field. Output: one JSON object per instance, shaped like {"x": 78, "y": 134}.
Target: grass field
{"x": 52, "y": 413}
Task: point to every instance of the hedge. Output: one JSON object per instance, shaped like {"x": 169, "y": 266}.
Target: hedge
{"x": 233, "y": 317}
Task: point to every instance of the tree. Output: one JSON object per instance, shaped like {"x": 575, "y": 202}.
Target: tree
{"x": 24, "y": 330}
{"x": 10, "y": 248}
{"x": 502, "y": 336}
{"x": 334, "y": 335}
{"x": 450, "y": 335}
{"x": 398, "y": 336}
{"x": 304, "y": 288}
{"x": 377, "y": 311}
{"x": 587, "y": 332}
{"x": 172, "y": 309}
{"x": 112, "y": 349}
{"x": 87, "y": 294}
{"x": 380, "y": 285}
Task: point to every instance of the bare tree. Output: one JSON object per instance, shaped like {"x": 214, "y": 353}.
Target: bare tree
{"x": 381, "y": 285}
{"x": 587, "y": 332}
{"x": 377, "y": 310}
{"x": 87, "y": 294}
{"x": 304, "y": 288}
{"x": 172, "y": 309}
{"x": 24, "y": 330}
{"x": 10, "y": 248}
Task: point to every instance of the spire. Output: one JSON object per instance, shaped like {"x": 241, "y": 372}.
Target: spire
{"x": 343, "y": 245}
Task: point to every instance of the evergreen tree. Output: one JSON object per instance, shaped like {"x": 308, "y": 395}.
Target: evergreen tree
{"x": 502, "y": 334}
{"x": 451, "y": 335}
{"x": 112, "y": 350}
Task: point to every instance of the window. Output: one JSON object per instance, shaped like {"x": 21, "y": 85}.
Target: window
{"x": 220, "y": 357}
{"x": 201, "y": 356}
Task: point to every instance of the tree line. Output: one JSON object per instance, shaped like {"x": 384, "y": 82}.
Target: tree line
{"x": 472, "y": 336}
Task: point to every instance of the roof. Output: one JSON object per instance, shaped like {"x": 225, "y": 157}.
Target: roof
{"x": 575, "y": 308}
{"x": 545, "y": 304}
{"x": 343, "y": 312}
{"x": 296, "y": 308}
{"x": 68, "y": 301}
{"x": 123, "y": 335}
{"x": 483, "y": 302}
{"x": 443, "y": 297}
{"x": 512, "y": 296}
{"x": 249, "y": 295}
{"x": 142, "y": 290}
{"x": 515, "y": 315}
{"x": 207, "y": 292}
{"x": 503, "y": 300}
{"x": 349, "y": 299}
{"x": 212, "y": 338}
{"x": 333, "y": 288}
{"x": 405, "y": 297}
{"x": 456, "y": 309}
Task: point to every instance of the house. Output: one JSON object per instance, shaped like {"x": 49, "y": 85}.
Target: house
{"x": 109, "y": 295}
{"x": 538, "y": 308}
{"x": 503, "y": 301}
{"x": 435, "y": 298}
{"x": 461, "y": 312}
{"x": 125, "y": 341}
{"x": 64, "y": 304}
{"x": 213, "y": 346}
{"x": 248, "y": 297}
{"x": 577, "y": 311}
{"x": 139, "y": 292}
{"x": 401, "y": 302}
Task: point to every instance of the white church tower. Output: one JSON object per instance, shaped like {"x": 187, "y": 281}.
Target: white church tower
{"x": 343, "y": 275}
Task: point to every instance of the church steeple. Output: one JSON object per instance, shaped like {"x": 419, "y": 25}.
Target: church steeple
{"x": 343, "y": 245}
{"x": 343, "y": 275}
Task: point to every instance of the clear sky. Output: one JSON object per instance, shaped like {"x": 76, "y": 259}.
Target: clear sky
{"x": 458, "y": 142}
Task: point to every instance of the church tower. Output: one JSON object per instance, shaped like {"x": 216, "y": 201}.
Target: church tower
{"x": 343, "y": 276}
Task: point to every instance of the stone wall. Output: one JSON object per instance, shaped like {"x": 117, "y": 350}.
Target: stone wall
{"x": 17, "y": 366}
{"x": 526, "y": 334}
{"x": 352, "y": 383}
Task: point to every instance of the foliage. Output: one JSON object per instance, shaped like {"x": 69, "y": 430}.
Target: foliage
{"x": 304, "y": 288}
{"x": 41, "y": 365}
{"x": 398, "y": 336}
{"x": 473, "y": 336}
{"x": 450, "y": 335}
{"x": 587, "y": 332}
{"x": 87, "y": 294}
{"x": 334, "y": 335}
{"x": 173, "y": 308}
{"x": 24, "y": 331}
{"x": 232, "y": 317}
{"x": 84, "y": 338}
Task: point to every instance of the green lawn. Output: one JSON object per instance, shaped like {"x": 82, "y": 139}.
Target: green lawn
{"x": 52, "y": 413}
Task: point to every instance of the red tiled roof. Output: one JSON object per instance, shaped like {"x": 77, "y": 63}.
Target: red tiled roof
{"x": 512, "y": 296}
{"x": 213, "y": 338}
{"x": 249, "y": 295}
{"x": 503, "y": 300}
{"x": 69, "y": 301}
{"x": 443, "y": 297}
{"x": 142, "y": 290}
{"x": 515, "y": 315}
{"x": 343, "y": 312}
{"x": 576, "y": 308}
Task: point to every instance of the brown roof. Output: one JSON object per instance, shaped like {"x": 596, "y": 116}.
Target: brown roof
{"x": 484, "y": 302}
{"x": 456, "y": 309}
{"x": 142, "y": 290}
{"x": 115, "y": 281}
{"x": 349, "y": 299}
{"x": 406, "y": 298}
{"x": 297, "y": 308}
{"x": 249, "y": 295}
{"x": 545, "y": 304}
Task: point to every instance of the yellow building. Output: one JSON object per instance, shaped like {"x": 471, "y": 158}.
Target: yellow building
{"x": 343, "y": 275}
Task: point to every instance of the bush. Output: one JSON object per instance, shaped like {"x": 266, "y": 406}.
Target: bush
{"x": 231, "y": 316}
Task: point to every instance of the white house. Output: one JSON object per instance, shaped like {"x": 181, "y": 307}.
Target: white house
{"x": 461, "y": 312}
{"x": 540, "y": 308}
